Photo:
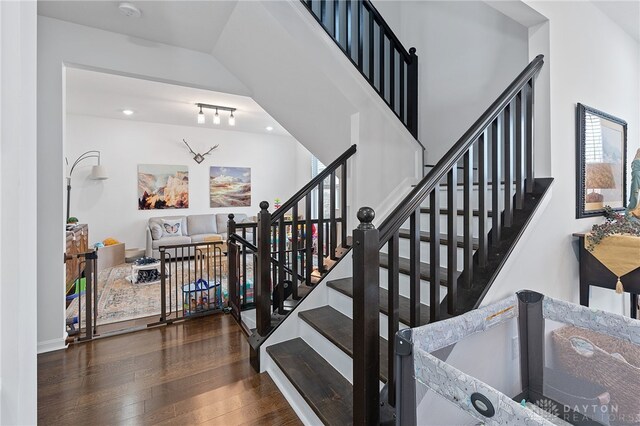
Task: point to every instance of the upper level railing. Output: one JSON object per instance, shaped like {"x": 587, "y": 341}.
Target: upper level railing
{"x": 505, "y": 130}
{"x": 293, "y": 245}
{"x": 373, "y": 48}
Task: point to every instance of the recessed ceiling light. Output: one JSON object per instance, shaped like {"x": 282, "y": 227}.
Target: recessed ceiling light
{"x": 269, "y": 128}
{"x": 127, "y": 9}
{"x": 127, "y": 112}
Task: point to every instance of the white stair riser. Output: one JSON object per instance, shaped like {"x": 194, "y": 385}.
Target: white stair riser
{"x": 425, "y": 252}
{"x": 474, "y": 197}
{"x": 344, "y": 304}
{"x": 425, "y": 224}
{"x": 403, "y": 281}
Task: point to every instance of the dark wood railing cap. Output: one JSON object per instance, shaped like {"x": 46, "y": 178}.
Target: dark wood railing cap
{"x": 264, "y": 205}
{"x": 366, "y": 216}
{"x": 231, "y": 216}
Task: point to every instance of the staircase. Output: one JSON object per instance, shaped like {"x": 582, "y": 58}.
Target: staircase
{"x": 331, "y": 350}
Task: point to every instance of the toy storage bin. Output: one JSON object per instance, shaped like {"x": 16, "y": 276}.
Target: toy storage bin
{"x": 526, "y": 360}
{"x": 200, "y": 296}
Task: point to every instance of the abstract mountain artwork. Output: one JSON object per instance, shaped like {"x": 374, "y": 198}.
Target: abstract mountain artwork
{"x": 229, "y": 186}
{"x": 163, "y": 187}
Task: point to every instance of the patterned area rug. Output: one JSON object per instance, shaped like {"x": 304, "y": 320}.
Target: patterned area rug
{"x": 120, "y": 300}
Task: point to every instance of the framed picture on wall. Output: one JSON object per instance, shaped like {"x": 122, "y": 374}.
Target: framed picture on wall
{"x": 229, "y": 186}
{"x": 163, "y": 186}
{"x": 601, "y": 156}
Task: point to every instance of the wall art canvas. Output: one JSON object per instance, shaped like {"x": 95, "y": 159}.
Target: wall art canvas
{"x": 601, "y": 162}
{"x": 229, "y": 186}
{"x": 163, "y": 187}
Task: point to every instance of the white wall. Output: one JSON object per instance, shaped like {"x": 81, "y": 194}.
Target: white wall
{"x": 61, "y": 43}
{"x": 110, "y": 207}
{"x": 591, "y": 61}
{"x": 18, "y": 277}
{"x": 468, "y": 53}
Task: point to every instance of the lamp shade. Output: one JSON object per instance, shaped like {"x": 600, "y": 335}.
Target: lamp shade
{"x": 99, "y": 173}
{"x": 599, "y": 176}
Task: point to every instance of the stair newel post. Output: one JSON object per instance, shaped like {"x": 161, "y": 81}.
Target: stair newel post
{"x": 263, "y": 287}
{"x": 412, "y": 92}
{"x": 366, "y": 327}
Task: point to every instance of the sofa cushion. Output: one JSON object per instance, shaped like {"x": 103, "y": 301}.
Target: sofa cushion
{"x": 156, "y": 230}
{"x": 202, "y": 224}
{"x": 158, "y": 220}
{"x": 222, "y": 219}
{"x": 171, "y": 227}
{"x": 201, "y": 237}
{"x": 170, "y": 241}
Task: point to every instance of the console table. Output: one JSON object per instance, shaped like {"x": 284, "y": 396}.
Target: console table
{"x": 77, "y": 242}
{"x": 594, "y": 273}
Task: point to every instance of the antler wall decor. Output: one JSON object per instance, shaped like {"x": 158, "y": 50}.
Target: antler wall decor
{"x": 199, "y": 158}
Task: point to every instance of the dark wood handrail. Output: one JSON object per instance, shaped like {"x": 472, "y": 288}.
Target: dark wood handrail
{"x": 311, "y": 185}
{"x": 387, "y": 29}
{"x": 414, "y": 199}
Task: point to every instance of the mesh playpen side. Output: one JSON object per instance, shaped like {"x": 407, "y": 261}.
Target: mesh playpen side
{"x": 528, "y": 359}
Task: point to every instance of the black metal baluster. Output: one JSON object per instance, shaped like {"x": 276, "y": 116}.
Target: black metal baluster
{"x": 336, "y": 20}
{"x": 412, "y": 93}
{"x": 360, "y": 36}
{"x": 496, "y": 142}
{"x": 294, "y": 252}
{"x": 467, "y": 181}
{"x": 282, "y": 260}
{"x": 308, "y": 233}
{"x": 401, "y": 81}
{"x": 509, "y": 128}
{"x": 323, "y": 13}
{"x": 392, "y": 77}
{"x": 483, "y": 142}
{"x": 343, "y": 204}
{"x": 393, "y": 317}
{"x": 371, "y": 51}
{"x": 348, "y": 26}
{"x": 382, "y": 61}
{"x": 519, "y": 151}
{"x": 529, "y": 136}
{"x": 434, "y": 254}
{"x": 333, "y": 230}
{"x": 414, "y": 268}
{"x": 320, "y": 251}
{"x": 452, "y": 239}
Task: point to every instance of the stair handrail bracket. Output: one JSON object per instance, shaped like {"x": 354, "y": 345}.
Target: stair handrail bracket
{"x": 497, "y": 146}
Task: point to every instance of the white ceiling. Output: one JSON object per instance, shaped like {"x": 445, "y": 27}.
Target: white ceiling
{"x": 106, "y": 95}
{"x": 194, "y": 25}
{"x": 624, "y": 13}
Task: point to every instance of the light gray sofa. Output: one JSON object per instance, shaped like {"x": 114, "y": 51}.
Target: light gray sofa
{"x": 194, "y": 229}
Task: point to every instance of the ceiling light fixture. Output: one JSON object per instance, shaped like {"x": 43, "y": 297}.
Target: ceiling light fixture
{"x": 269, "y": 128}
{"x": 201, "y": 117}
{"x": 127, "y": 112}
{"x": 216, "y": 116}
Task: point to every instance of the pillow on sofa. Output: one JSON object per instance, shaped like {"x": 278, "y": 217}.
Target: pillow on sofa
{"x": 171, "y": 228}
{"x": 156, "y": 231}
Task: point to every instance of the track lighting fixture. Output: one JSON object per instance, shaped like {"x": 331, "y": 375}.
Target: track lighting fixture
{"x": 216, "y": 116}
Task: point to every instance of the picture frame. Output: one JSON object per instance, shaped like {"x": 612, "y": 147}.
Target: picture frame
{"x": 601, "y": 162}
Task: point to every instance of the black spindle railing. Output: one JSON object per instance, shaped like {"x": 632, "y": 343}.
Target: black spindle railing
{"x": 505, "y": 128}
{"x": 366, "y": 39}
{"x": 288, "y": 249}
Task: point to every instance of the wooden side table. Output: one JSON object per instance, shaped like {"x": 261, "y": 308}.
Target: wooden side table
{"x": 594, "y": 273}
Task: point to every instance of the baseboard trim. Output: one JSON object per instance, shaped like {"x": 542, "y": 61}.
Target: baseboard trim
{"x": 51, "y": 345}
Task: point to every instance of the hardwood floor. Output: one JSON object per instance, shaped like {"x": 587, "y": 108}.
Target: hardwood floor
{"x": 195, "y": 372}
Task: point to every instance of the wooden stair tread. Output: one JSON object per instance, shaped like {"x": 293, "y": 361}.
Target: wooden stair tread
{"x": 425, "y": 273}
{"x": 338, "y": 329}
{"x": 345, "y": 286}
{"x": 460, "y": 212}
{"x": 326, "y": 391}
{"x": 426, "y": 237}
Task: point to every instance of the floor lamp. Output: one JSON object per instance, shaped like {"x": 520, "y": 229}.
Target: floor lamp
{"x": 98, "y": 172}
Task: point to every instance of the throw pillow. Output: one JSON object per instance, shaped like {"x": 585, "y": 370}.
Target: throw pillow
{"x": 171, "y": 228}
{"x": 156, "y": 231}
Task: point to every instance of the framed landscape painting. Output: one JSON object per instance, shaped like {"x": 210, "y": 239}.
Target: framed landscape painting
{"x": 163, "y": 187}
{"x": 229, "y": 186}
{"x": 601, "y": 162}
